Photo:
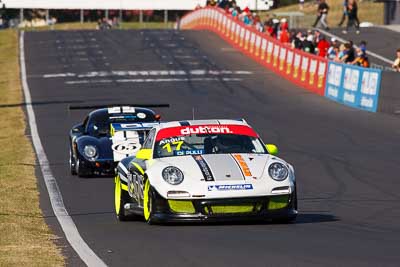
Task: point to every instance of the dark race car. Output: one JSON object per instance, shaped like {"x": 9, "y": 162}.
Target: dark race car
{"x": 106, "y": 136}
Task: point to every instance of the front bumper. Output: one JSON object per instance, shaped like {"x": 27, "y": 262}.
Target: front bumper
{"x": 232, "y": 209}
{"x": 99, "y": 166}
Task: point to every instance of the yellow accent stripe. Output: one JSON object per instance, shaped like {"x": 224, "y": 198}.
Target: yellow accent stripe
{"x": 232, "y": 209}
{"x": 278, "y": 202}
{"x": 181, "y": 206}
{"x": 124, "y": 187}
{"x": 138, "y": 167}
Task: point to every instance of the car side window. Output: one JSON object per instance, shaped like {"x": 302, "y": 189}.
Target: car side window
{"x": 149, "y": 140}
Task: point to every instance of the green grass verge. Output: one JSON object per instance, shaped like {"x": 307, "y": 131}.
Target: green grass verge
{"x": 92, "y": 26}
{"x": 367, "y": 11}
{"x": 25, "y": 238}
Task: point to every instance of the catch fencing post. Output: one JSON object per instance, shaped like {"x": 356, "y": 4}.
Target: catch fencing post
{"x": 21, "y": 15}
{"x": 165, "y": 17}
{"x": 82, "y": 18}
{"x": 141, "y": 16}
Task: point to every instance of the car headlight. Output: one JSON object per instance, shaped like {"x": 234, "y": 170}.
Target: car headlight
{"x": 90, "y": 151}
{"x": 278, "y": 171}
{"x": 172, "y": 175}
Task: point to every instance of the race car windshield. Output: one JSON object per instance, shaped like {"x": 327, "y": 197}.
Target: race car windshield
{"x": 200, "y": 144}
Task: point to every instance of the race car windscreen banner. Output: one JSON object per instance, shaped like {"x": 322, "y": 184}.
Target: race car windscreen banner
{"x": 205, "y": 129}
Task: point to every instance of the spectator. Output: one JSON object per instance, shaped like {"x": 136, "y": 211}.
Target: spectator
{"x": 285, "y": 36}
{"x": 348, "y": 54}
{"x": 246, "y": 18}
{"x": 322, "y": 14}
{"x": 317, "y": 37}
{"x": 223, "y": 4}
{"x": 341, "y": 53}
{"x": 301, "y": 4}
{"x": 308, "y": 45}
{"x": 352, "y": 10}
{"x": 297, "y": 41}
{"x": 323, "y": 46}
{"x": 352, "y": 52}
{"x": 363, "y": 46}
{"x": 396, "y": 63}
{"x": 269, "y": 28}
{"x": 211, "y": 3}
{"x": 284, "y": 24}
{"x": 276, "y": 27}
{"x": 361, "y": 59}
{"x": 257, "y": 23}
{"x": 235, "y": 13}
{"x": 345, "y": 13}
{"x": 333, "y": 52}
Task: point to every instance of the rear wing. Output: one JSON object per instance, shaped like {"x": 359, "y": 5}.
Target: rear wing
{"x": 119, "y": 105}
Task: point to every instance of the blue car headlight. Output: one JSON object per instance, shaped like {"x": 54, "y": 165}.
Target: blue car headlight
{"x": 90, "y": 151}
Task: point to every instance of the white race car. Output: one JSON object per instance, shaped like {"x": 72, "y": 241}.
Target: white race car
{"x": 205, "y": 170}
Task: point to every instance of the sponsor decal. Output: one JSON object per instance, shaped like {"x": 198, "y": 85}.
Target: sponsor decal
{"x": 230, "y": 187}
{"x": 205, "y": 129}
{"x": 141, "y": 115}
{"x": 171, "y": 140}
{"x": 126, "y": 147}
{"x": 189, "y": 152}
{"x": 130, "y": 125}
{"x": 205, "y": 169}
{"x": 243, "y": 165}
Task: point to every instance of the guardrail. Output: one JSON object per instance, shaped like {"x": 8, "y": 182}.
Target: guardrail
{"x": 354, "y": 86}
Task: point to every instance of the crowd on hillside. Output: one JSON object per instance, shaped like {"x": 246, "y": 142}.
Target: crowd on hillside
{"x": 311, "y": 41}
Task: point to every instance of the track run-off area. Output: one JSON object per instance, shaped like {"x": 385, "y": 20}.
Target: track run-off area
{"x": 346, "y": 161}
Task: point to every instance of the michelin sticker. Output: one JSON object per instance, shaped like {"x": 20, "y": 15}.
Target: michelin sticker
{"x": 230, "y": 187}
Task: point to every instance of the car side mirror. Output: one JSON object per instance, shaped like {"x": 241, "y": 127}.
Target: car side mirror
{"x": 272, "y": 149}
{"x": 144, "y": 154}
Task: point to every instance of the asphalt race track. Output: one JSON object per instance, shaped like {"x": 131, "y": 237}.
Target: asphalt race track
{"x": 347, "y": 161}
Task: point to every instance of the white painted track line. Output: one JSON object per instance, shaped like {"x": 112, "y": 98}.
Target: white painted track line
{"x": 67, "y": 224}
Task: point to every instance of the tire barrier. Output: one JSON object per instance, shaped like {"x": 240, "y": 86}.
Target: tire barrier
{"x": 353, "y": 86}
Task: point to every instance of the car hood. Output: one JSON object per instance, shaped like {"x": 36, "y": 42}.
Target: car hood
{"x": 220, "y": 167}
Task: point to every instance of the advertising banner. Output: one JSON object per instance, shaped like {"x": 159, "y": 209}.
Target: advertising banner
{"x": 353, "y": 86}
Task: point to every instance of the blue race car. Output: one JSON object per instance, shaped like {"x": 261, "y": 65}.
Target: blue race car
{"x": 106, "y": 136}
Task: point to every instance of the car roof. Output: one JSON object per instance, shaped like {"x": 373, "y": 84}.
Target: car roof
{"x": 170, "y": 124}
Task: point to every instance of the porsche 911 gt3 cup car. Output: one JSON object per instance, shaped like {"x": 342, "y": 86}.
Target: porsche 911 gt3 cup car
{"x": 106, "y": 136}
{"x": 205, "y": 170}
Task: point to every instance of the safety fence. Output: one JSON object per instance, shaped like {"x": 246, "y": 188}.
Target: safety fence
{"x": 349, "y": 85}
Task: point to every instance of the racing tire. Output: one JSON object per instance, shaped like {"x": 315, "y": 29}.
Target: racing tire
{"x": 121, "y": 198}
{"x": 148, "y": 200}
{"x": 72, "y": 163}
{"x": 80, "y": 171}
